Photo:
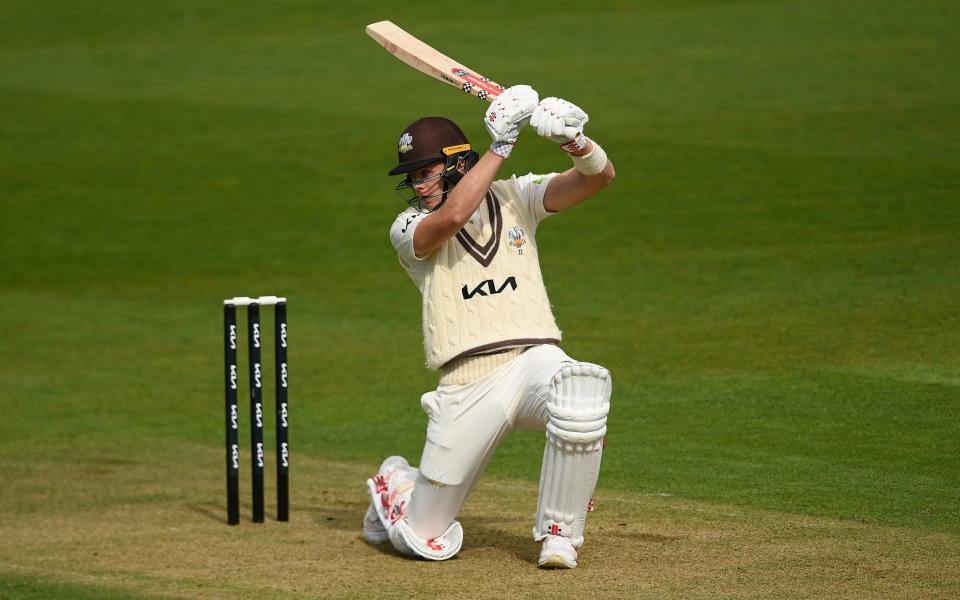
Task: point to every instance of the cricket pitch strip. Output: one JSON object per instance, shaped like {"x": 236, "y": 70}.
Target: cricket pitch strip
{"x": 116, "y": 530}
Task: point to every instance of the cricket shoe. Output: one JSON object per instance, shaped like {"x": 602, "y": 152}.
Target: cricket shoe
{"x": 373, "y": 530}
{"x": 390, "y": 489}
{"x": 557, "y": 553}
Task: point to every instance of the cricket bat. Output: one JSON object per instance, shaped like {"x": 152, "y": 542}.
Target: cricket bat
{"x": 427, "y": 60}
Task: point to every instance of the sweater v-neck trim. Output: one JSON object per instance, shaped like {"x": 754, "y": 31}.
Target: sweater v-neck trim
{"x": 484, "y": 253}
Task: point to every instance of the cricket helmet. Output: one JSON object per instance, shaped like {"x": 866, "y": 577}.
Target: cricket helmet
{"x": 429, "y": 140}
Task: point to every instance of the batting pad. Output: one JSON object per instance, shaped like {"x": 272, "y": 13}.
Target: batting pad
{"x": 577, "y": 421}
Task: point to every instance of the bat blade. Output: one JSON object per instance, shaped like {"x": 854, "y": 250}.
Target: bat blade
{"x": 430, "y": 61}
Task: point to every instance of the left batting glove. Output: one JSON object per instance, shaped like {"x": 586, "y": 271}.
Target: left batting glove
{"x": 561, "y": 122}
{"x": 507, "y": 115}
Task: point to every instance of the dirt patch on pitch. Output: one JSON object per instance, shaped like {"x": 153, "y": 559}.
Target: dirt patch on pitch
{"x": 133, "y": 527}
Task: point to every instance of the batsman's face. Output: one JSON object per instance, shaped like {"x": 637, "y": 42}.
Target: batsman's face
{"x": 428, "y": 185}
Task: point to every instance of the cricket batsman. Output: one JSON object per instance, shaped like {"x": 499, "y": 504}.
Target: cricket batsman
{"x": 468, "y": 242}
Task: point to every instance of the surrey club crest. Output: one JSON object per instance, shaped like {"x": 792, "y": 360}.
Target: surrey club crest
{"x": 406, "y": 143}
{"x": 516, "y": 239}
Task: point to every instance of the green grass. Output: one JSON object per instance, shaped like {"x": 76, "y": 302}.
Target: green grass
{"x": 772, "y": 279}
{"x": 23, "y": 588}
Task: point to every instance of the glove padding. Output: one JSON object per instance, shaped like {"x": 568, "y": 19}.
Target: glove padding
{"x": 507, "y": 115}
{"x": 560, "y": 121}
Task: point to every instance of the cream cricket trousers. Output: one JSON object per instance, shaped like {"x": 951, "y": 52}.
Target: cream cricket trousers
{"x": 467, "y": 422}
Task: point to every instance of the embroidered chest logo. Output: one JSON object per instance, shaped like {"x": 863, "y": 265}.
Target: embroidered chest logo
{"x": 516, "y": 239}
{"x": 405, "y": 144}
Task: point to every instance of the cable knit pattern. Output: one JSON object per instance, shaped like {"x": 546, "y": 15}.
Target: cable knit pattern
{"x": 469, "y": 308}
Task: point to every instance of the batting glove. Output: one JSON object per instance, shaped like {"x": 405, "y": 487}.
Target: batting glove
{"x": 561, "y": 122}
{"x": 507, "y": 115}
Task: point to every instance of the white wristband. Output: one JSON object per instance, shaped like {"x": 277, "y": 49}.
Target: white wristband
{"x": 592, "y": 163}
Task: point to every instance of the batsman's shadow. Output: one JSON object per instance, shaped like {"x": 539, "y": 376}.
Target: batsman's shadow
{"x": 349, "y": 518}
{"x": 482, "y": 532}
{"x": 479, "y": 532}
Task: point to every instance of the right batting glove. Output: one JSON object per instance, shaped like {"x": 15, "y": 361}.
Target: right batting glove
{"x": 507, "y": 115}
{"x": 561, "y": 122}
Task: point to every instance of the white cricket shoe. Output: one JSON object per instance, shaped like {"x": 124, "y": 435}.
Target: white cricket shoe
{"x": 373, "y": 530}
{"x": 557, "y": 553}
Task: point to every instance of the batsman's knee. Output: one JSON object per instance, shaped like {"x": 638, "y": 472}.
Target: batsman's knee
{"x": 578, "y": 404}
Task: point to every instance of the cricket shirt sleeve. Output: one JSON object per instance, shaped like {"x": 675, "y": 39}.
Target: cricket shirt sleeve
{"x": 530, "y": 189}
{"x": 401, "y": 236}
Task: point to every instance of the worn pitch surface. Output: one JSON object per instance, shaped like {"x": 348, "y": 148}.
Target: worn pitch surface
{"x": 138, "y": 537}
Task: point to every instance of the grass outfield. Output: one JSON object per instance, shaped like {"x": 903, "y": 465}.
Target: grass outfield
{"x": 773, "y": 280}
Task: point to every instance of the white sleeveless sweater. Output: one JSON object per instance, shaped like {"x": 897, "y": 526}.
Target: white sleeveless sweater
{"x": 483, "y": 290}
